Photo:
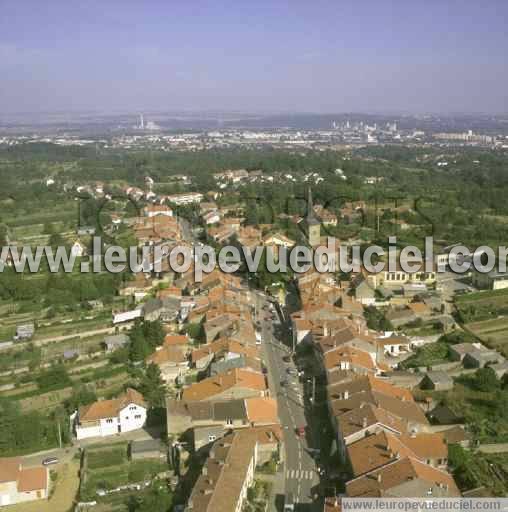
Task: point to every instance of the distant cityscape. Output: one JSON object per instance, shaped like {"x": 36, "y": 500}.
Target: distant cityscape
{"x": 339, "y": 134}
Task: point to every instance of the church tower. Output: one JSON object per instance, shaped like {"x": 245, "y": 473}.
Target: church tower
{"x": 312, "y": 223}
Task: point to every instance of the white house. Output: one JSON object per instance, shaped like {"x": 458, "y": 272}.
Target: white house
{"x": 278, "y": 239}
{"x": 110, "y": 417}
{"x": 155, "y": 210}
{"x": 19, "y": 485}
{"x": 185, "y": 198}
{"x": 212, "y": 217}
{"x": 78, "y": 249}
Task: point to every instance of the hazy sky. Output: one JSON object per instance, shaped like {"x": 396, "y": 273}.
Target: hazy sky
{"x": 256, "y": 55}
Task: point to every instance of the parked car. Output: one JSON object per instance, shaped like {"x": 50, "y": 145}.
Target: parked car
{"x": 289, "y": 503}
{"x": 49, "y": 461}
{"x": 287, "y": 359}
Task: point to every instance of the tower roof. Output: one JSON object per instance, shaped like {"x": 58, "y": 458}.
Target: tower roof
{"x": 311, "y": 218}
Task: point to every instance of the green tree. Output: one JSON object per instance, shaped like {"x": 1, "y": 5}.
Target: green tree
{"x": 81, "y": 395}
{"x": 139, "y": 348}
{"x": 152, "y": 386}
{"x": 158, "y": 498}
{"x": 55, "y": 377}
{"x": 153, "y": 332}
{"x": 486, "y": 380}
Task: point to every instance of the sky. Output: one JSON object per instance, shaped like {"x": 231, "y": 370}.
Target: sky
{"x": 260, "y": 56}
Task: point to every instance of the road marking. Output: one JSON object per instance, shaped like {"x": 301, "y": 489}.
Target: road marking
{"x": 292, "y": 473}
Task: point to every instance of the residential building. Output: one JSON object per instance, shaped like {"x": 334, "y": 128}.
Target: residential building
{"x": 78, "y": 249}
{"x": 109, "y": 417}
{"x": 493, "y": 280}
{"x": 211, "y": 420}
{"x": 377, "y": 450}
{"x": 404, "y": 477}
{"x": 20, "y": 485}
{"x": 437, "y": 381}
{"x": 24, "y": 331}
{"x": 229, "y": 470}
{"x": 228, "y": 386}
{"x": 185, "y": 198}
{"x": 155, "y": 210}
{"x": 173, "y": 363}
{"x": 116, "y": 341}
{"x": 398, "y": 276}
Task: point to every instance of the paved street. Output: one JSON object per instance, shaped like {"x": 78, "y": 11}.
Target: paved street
{"x": 64, "y": 455}
{"x": 300, "y": 470}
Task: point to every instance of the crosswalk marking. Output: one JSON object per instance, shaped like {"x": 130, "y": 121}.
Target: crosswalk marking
{"x": 296, "y": 474}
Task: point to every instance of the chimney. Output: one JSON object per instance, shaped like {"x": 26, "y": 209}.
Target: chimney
{"x": 364, "y": 423}
{"x": 212, "y": 454}
{"x": 204, "y": 471}
{"x": 346, "y": 394}
{"x": 379, "y": 477}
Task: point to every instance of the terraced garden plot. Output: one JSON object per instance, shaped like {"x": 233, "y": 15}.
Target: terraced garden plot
{"x": 485, "y": 314}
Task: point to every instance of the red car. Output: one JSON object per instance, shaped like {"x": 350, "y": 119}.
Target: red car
{"x": 300, "y": 431}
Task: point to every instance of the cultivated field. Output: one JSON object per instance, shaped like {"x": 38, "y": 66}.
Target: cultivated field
{"x": 485, "y": 314}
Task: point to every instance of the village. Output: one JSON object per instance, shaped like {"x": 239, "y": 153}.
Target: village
{"x": 228, "y": 395}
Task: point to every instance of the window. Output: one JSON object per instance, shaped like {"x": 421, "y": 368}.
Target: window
{"x": 109, "y": 420}
{"x": 126, "y": 417}
{"x": 132, "y": 408}
{"x": 229, "y": 421}
{"x": 211, "y": 438}
{"x": 137, "y": 416}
